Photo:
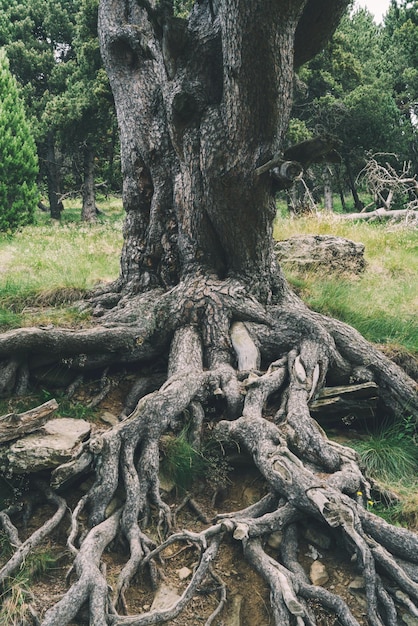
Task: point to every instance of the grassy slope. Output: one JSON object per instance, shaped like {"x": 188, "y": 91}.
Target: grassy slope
{"x": 50, "y": 263}
{"x": 382, "y": 303}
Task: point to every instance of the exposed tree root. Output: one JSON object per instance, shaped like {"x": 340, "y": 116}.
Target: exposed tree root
{"x": 225, "y": 347}
{"x": 23, "y": 549}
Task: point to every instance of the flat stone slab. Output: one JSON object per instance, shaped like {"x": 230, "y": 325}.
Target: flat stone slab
{"x": 56, "y": 443}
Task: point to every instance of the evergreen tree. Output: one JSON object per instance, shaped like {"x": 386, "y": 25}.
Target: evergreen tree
{"x": 349, "y": 91}
{"x": 37, "y": 37}
{"x": 18, "y": 160}
{"x": 83, "y": 114}
{"x": 401, "y": 43}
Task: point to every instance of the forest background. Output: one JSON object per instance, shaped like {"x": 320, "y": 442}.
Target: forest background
{"x": 362, "y": 90}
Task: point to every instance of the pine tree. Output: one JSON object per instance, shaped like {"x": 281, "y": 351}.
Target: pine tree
{"x": 18, "y": 160}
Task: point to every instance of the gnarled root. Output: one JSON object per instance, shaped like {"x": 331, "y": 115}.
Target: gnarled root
{"x": 225, "y": 348}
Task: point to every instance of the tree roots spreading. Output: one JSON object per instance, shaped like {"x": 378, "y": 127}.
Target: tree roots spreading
{"x": 223, "y": 347}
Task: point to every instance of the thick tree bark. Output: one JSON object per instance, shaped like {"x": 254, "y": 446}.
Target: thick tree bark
{"x": 203, "y": 105}
{"x": 197, "y": 117}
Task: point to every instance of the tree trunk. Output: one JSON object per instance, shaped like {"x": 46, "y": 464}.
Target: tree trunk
{"x": 357, "y": 202}
{"x": 53, "y": 179}
{"x": 328, "y": 199}
{"x": 203, "y": 105}
{"x": 88, "y": 211}
{"x": 341, "y": 190}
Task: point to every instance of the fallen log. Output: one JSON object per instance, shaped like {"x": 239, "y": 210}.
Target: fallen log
{"x": 345, "y": 404}
{"x": 383, "y": 214}
{"x": 14, "y": 425}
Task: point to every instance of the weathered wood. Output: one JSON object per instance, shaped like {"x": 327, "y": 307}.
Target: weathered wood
{"x": 14, "y": 425}
{"x": 383, "y": 214}
{"x": 67, "y": 473}
{"x": 345, "y": 403}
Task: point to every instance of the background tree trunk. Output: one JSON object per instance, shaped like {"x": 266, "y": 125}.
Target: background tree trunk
{"x": 328, "y": 199}
{"x": 88, "y": 211}
{"x": 53, "y": 178}
{"x": 357, "y": 202}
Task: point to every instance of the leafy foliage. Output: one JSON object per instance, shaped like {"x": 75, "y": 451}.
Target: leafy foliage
{"x": 362, "y": 89}
{"x": 83, "y": 113}
{"x": 18, "y": 160}
{"x": 37, "y": 36}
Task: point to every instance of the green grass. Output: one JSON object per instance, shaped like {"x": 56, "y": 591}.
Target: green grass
{"x": 15, "y": 593}
{"x": 51, "y": 264}
{"x": 66, "y": 407}
{"x": 390, "y": 456}
{"x": 46, "y": 267}
{"x": 382, "y": 302}
{"x": 180, "y": 462}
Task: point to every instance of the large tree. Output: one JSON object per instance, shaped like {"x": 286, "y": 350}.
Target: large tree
{"x": 203, "y": 104}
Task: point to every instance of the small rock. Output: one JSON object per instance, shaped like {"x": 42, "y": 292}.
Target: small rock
{"x": 313, "y": 553}
{"x": 109, "y": 418}
{"x": 318, "y": 573}
{"x": 275, "y": 539}
{"x": 165, "y": 597}
{"x": 184, "y": 573}
{"x": 251, "y": 495}
{"x": 361, "y": 600}
{"x": 166, "y": 484}
{"x": 146, "y": 607}
{"x": 357, "y": 583}
{"x": 112, "y": 506}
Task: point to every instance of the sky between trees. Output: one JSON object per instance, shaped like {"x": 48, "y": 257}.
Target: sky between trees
{"x": 377, "y": 7}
